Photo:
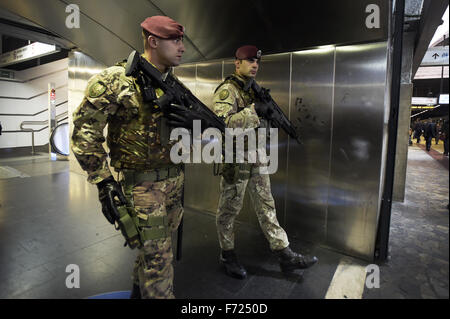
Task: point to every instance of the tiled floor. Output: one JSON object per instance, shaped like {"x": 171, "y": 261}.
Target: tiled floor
{"x": 419, "y": 242}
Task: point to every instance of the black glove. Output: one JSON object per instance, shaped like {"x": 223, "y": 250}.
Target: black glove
{"x": 108, "y": 189}
{"x": 263, "y": 110}
{"x": 180, "y": 116}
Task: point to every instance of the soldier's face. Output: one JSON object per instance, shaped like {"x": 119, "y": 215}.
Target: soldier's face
{"x": 247, "y": 68}
{"x": 170, "y": 51}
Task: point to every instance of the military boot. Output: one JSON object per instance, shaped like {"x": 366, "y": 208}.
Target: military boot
{"x": 290, "y": 260}
{"x": 233, "y": 268}
{"x": 136, "y": 292}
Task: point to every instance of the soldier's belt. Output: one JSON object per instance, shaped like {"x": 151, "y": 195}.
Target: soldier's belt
{"x": 133, "y": 177}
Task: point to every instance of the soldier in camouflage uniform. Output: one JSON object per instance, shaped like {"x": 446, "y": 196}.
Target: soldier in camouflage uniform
{"x": 152, "y": 184}
{"x": 234, "y": 102}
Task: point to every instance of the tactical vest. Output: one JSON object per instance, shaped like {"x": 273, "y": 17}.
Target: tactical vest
{"x": 134, "y": 136}
{"x": 248, "y": 96}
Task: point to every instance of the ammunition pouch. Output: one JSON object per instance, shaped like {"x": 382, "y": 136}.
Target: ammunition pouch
{"x": 127, "y": 226}
{"x": 138, "y": 228}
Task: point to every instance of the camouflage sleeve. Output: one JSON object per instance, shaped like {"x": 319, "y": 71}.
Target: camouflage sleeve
{"x": 227, "y": 102}
{"x": 89, "y": 119}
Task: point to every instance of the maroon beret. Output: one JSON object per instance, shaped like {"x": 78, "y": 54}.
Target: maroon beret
{"x": 248, "y": 52}
{"x": 163, "y": 27}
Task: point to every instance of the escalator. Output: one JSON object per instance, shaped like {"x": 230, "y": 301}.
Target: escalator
{"x": 59, "y": 140}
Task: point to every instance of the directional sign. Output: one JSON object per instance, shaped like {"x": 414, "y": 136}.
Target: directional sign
{"x": 7, "y": 74}
{"x": 436, "y": 56}
{"x": 32, "y": 51}
{"x": 431, "y": 72}
{"x": 424, "y": 101}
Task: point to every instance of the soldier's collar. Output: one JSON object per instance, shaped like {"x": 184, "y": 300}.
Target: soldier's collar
{"x": 244, "y": 82}
{"x": 164, "y": 75}
{"x": 169, "y": 71}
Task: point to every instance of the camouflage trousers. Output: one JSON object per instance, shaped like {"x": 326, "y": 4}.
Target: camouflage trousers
{"x": 153, "y": 269}
{"x": 230, "y": 204}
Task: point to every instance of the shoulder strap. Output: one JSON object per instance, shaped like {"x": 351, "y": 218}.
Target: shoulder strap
{"x": 121, "y": 63}
{"x": 230, "y": 79}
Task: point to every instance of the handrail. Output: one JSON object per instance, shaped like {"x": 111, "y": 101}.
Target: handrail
{"x": 16, "y": 114}
{"x": 58, "y": 121}
{"x": 31, "y": 97}
{"x": 41, "y": 123}
{"x": 32, "y": 123}
{"x": 29, "y": 130}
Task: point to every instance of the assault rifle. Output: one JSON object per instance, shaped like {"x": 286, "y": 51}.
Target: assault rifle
{"x": 273, "y": 112}
{"x": 174, "y": 92}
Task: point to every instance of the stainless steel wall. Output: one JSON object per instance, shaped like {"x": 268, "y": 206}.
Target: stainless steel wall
{"x": 357, "y": 148}
{"x": 326, "y": 190}
{"x": 309, "y": 164}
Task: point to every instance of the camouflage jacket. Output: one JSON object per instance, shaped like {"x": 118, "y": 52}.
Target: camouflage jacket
{"x": 133, "y": 127}
{"x": 235, "y": 105}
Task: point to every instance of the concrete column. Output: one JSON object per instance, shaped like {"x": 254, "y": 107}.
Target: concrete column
{"x": 404, "y": 118}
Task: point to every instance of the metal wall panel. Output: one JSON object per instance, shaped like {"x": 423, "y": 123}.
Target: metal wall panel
{"x": 274, "y": 74}
{"x": 309, "y": 164}
{"x": 201, "y": 186}
{"x": 187, "y": 73}
{"x": 358, "y": 121}
{"x": 228, "y": 68}
{"x": 209, "y": 76}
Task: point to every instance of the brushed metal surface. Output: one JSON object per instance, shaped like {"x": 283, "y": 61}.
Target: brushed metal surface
{"x": 309, "y": 164}
{"x": 186, "y": 73}
{"x": 201, "y": 186}
{"x": 358, "y": 124}
{"x": 209, "y": 76}
{"x": 274, "y": 74}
